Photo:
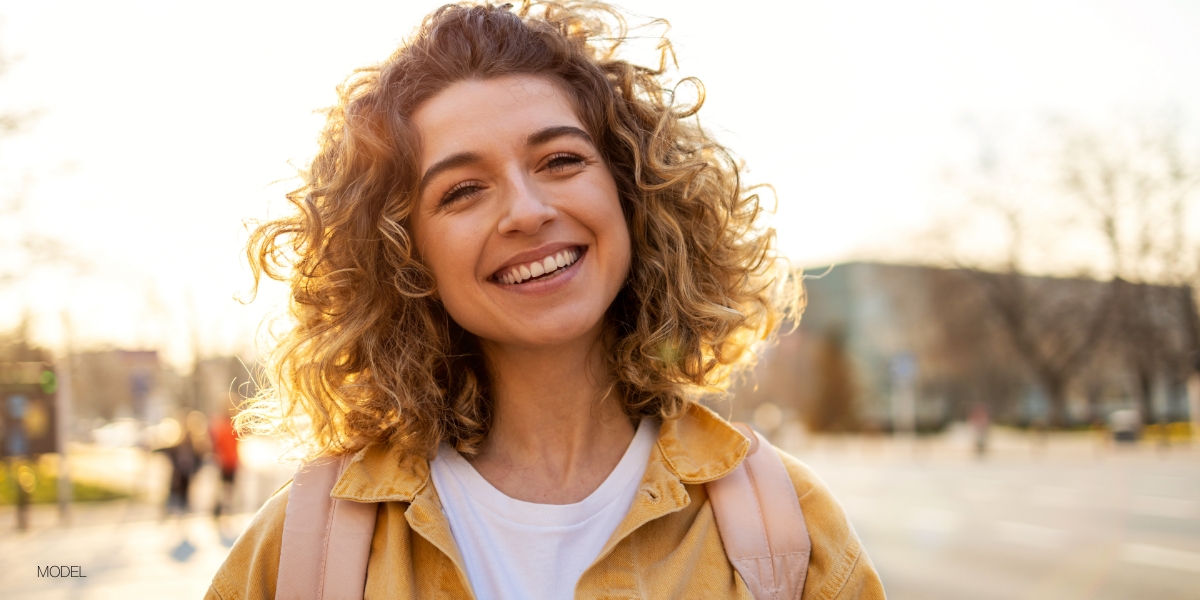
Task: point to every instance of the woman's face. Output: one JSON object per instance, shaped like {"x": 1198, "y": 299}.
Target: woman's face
{"x": 518, "y": 218}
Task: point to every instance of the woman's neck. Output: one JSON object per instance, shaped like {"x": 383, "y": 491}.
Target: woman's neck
{"x": 553, "y": 439}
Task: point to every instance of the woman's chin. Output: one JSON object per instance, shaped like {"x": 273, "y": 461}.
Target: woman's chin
{"x": 544, "y": 334}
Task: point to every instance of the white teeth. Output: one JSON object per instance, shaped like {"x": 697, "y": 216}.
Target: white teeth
{"x": 550, "y": 264}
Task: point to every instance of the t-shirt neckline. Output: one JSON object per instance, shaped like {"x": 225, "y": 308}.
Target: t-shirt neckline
{"x": 632, "y": 465}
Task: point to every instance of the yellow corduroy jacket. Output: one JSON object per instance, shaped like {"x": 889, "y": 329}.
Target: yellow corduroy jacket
{"x": 666, "y": 547}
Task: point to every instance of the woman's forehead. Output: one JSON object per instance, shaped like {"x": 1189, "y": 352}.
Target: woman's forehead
{"x": 475, "y": 112}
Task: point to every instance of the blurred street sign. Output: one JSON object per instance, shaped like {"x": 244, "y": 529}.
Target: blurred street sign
{"x": 903, "y": 367}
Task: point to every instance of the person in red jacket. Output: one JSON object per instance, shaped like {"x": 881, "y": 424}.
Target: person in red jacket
{"x": 225, "y": 454}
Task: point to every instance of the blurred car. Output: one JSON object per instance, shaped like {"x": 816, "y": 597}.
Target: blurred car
{"x": 1125, "y": 425}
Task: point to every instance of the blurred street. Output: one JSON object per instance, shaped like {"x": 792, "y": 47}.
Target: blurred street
{"x": 1065, "y": 516}
{"x": 130, "y": 548}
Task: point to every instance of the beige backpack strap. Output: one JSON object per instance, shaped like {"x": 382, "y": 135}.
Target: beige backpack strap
{"x": 326, "y": 541}
{"x": 761, "y": 524}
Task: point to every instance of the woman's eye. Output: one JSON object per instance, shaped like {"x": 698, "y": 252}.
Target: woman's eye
{"x": 461, "y": 191}
{"x": 562, "y": 161}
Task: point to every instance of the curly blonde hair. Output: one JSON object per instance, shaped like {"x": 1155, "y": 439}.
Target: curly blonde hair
{"x": 372, "y": 356}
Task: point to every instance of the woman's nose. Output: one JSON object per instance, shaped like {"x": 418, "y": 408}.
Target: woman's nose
{"x": 526, "y": 208}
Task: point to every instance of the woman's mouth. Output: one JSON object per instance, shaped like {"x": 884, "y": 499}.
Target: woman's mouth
{"x": 538, "y": 270}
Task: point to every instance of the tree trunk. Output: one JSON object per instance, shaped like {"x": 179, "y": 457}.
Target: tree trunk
{"x": 1056, "y": 392}
{"x": 1146, "y": 396}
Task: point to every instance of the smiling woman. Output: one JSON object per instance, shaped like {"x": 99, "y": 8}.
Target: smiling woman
{"x": 515, "y": 264}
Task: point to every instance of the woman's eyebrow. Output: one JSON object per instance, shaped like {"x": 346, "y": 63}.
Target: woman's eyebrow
{"x": 453, "y": 161}
{"x": 555, "y": 131}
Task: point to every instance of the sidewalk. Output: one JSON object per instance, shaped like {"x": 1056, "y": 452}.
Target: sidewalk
{"x": 125, "y": 552}
{"x": 128, "y": 548}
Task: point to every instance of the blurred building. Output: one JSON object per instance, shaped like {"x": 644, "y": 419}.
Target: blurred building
{"x": 122, "y": 384}
{"x": 135, "y": 384}
{"x": 885, "y": 346}
{"x": 220, "y": 383}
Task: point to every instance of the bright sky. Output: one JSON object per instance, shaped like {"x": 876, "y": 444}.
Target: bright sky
{"x": 164, "y": 125}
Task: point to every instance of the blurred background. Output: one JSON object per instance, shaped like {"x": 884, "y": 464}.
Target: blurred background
{"x": 995, "y": 207}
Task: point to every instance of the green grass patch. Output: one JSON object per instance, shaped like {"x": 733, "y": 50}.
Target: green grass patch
{"x": 45, "y": 489}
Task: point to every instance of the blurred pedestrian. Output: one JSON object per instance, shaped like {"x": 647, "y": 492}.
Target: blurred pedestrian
{"x": 186, "y": 455}
{"x": 225, "y": 454}
{"x": 979, "y": 427}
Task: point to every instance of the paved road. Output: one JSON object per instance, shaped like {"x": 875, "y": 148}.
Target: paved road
{"x": 1066, "y": 518}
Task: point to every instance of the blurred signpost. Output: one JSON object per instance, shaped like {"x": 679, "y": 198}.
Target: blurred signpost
{"x": 62, "y": 411}
{"x": 903, "y": 367}
{"x": 1193, "y": 393}
{"x": 27, "y": 423}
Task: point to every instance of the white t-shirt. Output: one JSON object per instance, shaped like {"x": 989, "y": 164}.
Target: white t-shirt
{"x": 515, "y": 550}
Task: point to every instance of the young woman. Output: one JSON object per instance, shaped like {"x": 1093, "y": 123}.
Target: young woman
{"x": 516, "y": 264}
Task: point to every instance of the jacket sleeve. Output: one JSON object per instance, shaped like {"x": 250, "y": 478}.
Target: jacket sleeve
{"x": 250, "y": 570}
{"x": 839, "y": 567}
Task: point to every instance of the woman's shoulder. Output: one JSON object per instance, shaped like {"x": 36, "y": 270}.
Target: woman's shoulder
{"x": 702, "y": 446}
{"x": 250, "y": 570}
{"x": 839, "y": 566}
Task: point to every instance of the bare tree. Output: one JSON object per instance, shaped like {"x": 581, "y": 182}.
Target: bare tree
{"x": 1138, "y": 184}
{"x": 833, "y": 408}
{"x": 1053, "y": 328}
{"x": 1112, "y": 206}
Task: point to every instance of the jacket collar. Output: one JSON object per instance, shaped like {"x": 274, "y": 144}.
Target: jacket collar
{"x": 382, "y": 474}
{"x": 695, "y": 448}
{"x": 700, "y": 446}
